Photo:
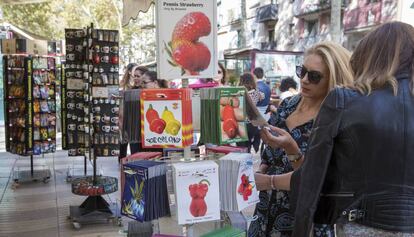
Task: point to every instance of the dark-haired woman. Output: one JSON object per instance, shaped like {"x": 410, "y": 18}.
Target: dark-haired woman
{"x": 247, "y": 80}
{"x": 132, "y": 79}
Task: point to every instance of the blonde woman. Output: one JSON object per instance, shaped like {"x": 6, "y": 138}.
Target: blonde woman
{"x": 326, "y": 65}
{"x": 358, "y": 170}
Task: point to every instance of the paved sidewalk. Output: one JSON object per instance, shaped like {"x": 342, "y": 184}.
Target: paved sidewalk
{"x": 38, "y": 209}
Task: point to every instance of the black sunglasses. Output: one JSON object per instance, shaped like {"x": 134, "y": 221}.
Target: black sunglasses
{"x": 314, "y": 77}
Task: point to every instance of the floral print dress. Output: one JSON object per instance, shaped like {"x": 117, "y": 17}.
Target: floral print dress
{"x": 273, "y": 215}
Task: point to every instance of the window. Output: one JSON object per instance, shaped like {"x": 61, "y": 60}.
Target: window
{"x": 291, "y": 27}
{"x": 239, "y": 38}
{"x": 254, "y": 34}
{"x": 312, "y": 28}
{"x": 271, "y": 35}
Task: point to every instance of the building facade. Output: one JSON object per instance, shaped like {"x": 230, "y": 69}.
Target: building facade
{"x": 294, "y": 25}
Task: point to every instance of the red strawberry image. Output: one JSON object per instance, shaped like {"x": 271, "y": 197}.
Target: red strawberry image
{"x": 198, "y": 192}
{"x": 191, "y": 27}
{"x": 194, "y": 57}
{"x": 185, "y": 49}
{"x": 245, "y": 188}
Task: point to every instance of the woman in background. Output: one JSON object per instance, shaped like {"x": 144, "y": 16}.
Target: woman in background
{"x": 150, "y": 81}
{"x": 247, "y": 80}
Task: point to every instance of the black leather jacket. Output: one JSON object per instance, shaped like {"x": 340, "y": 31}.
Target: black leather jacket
{"x": 360, "y": 155}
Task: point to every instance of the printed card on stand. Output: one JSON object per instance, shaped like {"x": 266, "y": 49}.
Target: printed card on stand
{"x": 237, "y": 187}
{"x": 166, "y": 118}
{"x": 197, "y": 192}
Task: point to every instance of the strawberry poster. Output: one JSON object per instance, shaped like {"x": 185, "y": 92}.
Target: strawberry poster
{"x": 187, "y": 38}
{"x": 197, "y": 192}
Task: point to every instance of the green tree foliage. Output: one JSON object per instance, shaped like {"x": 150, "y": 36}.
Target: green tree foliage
{"x": 49, "y": 19}
{"x": 36, "y": 18}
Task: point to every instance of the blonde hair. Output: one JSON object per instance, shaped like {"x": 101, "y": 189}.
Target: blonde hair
{"x": 380, "y": 55}
{"x": 336, "y": 59}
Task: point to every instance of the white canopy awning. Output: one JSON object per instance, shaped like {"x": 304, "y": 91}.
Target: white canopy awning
{"x": 6, "y": 2}
{"x": 132, "y": 8}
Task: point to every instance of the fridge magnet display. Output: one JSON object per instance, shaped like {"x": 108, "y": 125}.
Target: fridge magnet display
{"x": 166, "y": 118}
{"x": 91, "y": 89}
{"x": 103, "y": 59}
{"x": 187, "y": 36}
{"x": 196, "y": 190}
{"x": 30, "y": 111}
{"x": 75, "y": 94}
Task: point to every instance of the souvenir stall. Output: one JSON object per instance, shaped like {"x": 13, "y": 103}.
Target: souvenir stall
{"x": 90, "y": 112}
{"x": 204, "y": 188}
{"x": 30, "y": 111}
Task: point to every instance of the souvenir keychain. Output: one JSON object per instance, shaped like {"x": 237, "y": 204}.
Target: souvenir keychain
{"x": 36, "y": 92}
{"x": 44, "y": 106}
{"x": 36, "y": 106}
{"x": 36, "y": 120}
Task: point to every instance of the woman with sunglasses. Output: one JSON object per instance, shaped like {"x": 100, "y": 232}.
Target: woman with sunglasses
{"x": 325, "y": 66}
{"x": 358, "y": 171}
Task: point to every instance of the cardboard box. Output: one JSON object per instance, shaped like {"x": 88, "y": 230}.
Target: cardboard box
{"x": 37, "y": 47}
{"x": 8, "y": 46}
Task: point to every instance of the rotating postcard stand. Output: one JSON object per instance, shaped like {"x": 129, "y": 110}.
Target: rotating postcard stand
{"x": 98, "y": 82}
{"x": 30, "y": 111}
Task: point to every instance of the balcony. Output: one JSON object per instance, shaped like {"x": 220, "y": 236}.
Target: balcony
{"x": 234, "y": 16}
{"x": 267, "y": 14}
{"x": 313, "y": 10}
{"x": 363, "y": 17}
{"x": 268, "y": 45}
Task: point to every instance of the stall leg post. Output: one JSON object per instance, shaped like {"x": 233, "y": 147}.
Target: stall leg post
{"x": 94, "y": 169}
{"x": 85, "y": 165}
{"x": 31, "y": 165}
{"x": 188, "y": 230}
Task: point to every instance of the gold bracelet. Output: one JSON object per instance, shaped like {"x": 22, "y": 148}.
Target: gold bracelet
{"x": 271, "y": 182}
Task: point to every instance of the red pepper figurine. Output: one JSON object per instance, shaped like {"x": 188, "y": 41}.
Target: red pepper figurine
{"x": 245, "y": 187}
{"x": 230, "y": 126}
{"x": 157, "y": 125}
{"x": 198, "y": 192}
